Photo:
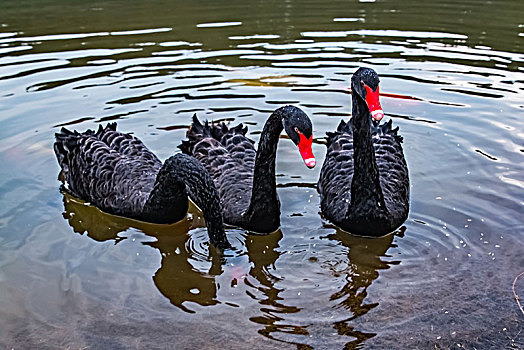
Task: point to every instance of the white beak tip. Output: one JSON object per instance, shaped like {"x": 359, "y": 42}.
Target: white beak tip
{"x": 310, "y": 162}
{"x": 377, "y": 114}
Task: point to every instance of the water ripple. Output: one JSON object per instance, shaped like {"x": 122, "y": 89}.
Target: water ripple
{"x": 455, "y": 96}
{"x": 385, "y": 33}
{"x": 40, "y": 38}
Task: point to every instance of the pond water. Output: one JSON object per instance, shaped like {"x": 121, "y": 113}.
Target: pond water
{"x": 452, "y": 79}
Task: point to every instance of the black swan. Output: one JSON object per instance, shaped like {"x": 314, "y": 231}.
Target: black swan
{"x": 364, "y": 181}
{"x": 245, "y": 178}
{"x": 120, "y": 175}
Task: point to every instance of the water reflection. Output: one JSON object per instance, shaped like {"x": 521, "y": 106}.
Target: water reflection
{"x": 189, "y": 268}
{"x": 289, "y": 318}
{"x": 365, "y": 257}
{"x": 364, "y": 261}
{"x": 263, "y": 253}
{"x": 177, "y": 279}
{"x": 187, "y": 274}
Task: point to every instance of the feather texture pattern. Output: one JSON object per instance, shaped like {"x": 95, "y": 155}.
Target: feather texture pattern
{"x": 117, "y": 173}
{"x": 375, "y": 201}
{"x": 245, "y": 177}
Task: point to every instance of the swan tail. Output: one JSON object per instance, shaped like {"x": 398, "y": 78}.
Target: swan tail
{"x": 387, "y": 129}
{"x": 222, "y": 131}
{"x": 67, "y": 147}
{"x": 376, "y": 129}
{"x": 196, "y": 133}
{"x": 185, "y": 147}
{"x": 343, "y": 128}
{"x": 66, "y": 142}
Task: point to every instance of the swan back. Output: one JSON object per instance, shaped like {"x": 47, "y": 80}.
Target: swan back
{"x": 112, "y": 170}
{"x": 336, "y": 176}
{"x": 246, "y": 178}
{"x": 229, "y": 157}
{"x": 393, "y": 170}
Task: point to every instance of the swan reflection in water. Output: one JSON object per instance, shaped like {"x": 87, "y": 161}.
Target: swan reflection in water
{"x": 363, "y": 258}
{"x": 364, "y": 261}
{"x": 181, "y": 277}
{"x": 176, "y": 278}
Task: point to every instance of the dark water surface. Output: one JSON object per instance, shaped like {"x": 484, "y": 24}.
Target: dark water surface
{"x": 452, "y": 75}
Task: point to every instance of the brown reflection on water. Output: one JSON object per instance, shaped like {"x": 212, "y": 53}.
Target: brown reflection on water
{"x": 359, "y": 268}
{"x": 365, "y": 260}
{"x": 176, "y": 278}
{"x": 263, "y": 253}
{"x": 182, "y": 283}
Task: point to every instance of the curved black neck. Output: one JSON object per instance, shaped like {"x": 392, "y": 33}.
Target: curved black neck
{"x": 366, "y": 194}
{"x": 182, "y": 175}
{"x": 265, "y": 207}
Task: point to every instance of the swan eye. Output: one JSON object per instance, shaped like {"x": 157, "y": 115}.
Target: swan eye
{"x": 296, "y": 129}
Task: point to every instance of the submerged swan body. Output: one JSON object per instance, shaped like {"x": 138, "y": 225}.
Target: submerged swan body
{"x": 364, "y": 181}
{"x": 117, "y": 173}
{"x": 245, "y": 178}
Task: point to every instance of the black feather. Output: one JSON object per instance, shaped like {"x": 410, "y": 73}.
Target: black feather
{"x": 116, "y": 172}
{"x": 360, "y": 202}
{"x": 245, "y": 179}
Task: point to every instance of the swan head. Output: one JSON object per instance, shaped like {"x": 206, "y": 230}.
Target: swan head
{"x": 365, "y": 83}
{"x": 300, "y": 130}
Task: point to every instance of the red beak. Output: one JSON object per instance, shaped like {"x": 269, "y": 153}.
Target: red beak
{"x": 373, "y": 103}
{"x": 304, "y": 147}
